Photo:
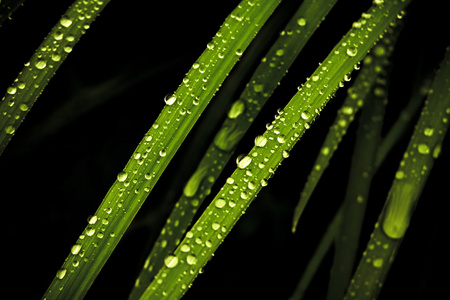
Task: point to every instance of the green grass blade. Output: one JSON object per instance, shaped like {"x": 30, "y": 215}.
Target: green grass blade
{"x": 26, "y": 88}
{"x": 345, "y": 116}
{"x": 255, "y": 169}
{"x": 423, "y": 148}
{"x": 321, "y": 250}
{"x": 137, "y": 179}
{"x": 260, "y": 87}
{"x": 358, "y": 187}
{"x": 404, "y": 121}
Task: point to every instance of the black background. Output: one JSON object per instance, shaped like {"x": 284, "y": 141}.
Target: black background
{"x": 61, "y": 162}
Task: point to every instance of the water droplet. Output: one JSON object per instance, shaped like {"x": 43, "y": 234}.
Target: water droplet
{"x": 219, "y": 203}
{"x": 260, "y": 141}
{"x": 65, "y": 21}
{"x": 92, "y": 220}
{"x": 11, "y": 90}
{"x": 191, "y": 259}
{"x": 40, "y": 64}
{"x": 239, "y": 52}
{"x": 122, "y": 176}
{"x": 56, "y": 57}
{"x": 352, "y": 51}
{"x": 170, "y": 99}
{"x": 428, "y": 131}
{"x": 10, "y": 129}
{"x": 185, "y": 248}
{"x": 171, "y": 261}
{"x": 236, "y": 109}
{"x": 194, "y": 182}
{"x": 243, "y": 162}
{"x": 61, "y": 273}
{"x": 75, "y": 249}
{"x": 306, "y": 115}
{"x": 378, "y": 263}
{"x": 162, "y": 153}
{"x": 301, "y": 22}
{"x": 258, "y": 88}
{"x": 325, "y": 151}
{"x": 279, "y": 52}
{"x": 23, "y": 107}
{"x": 423, "y": 149}
{"x": 399, "y": 174}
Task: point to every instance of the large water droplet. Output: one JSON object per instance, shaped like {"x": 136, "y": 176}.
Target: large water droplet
{"x": 171, "y": 261}
{"x": 260, "y": 141}
{"x": 352, "y": 51}
{"x": 301, "y": 22}
{"x": 122, "y": 176}
{"x": 170, "y": 99}
{"x": 61, "y": 273}
{"x": 41, "y": 64}
{"x": 75, "y": 249}
{"x": 219, "y": 203}
{"x": 423, "y": 149}
{"x": 191, "y": 259}
{"x": 65, "y": 21}
{"x": 243, "y": 162}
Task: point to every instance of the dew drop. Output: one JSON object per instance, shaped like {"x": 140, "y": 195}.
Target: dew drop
{"x": 10, "y": 129}
{"x": 61, "y": 273}
{"x": 279, "y": 52}
{"x": 171, "y": 261}
{"x": 191, "y": 259}
{"x": 162, "y": 153}
{"x": 75, "y": 249}
{"x": 378, "y": 263}
{"x": 170, "y": 99}
{"x": 352, "y": 51}
{"x": 243, "y": 162}
{"x": 220, "y": 203}
{"x": 41, "y": 64}
{"x": 423, "y": 149}
{"x": 428, "y": 131}
{"x": 65, "y": 21}
{"x": 11, "y": 90}
{"x": 122, "y": 176}
{"x": 260, "y": 141}
{"x": 301, "y": 22}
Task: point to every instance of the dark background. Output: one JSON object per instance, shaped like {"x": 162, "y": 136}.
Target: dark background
{"x": 91, "y": 116}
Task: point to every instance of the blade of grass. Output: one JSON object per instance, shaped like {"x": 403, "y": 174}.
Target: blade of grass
{"x": 358, "y": 187}
{"x": 355, "y": 99}
{"x": 423, "y": 148}
{"x": 152, "y": 155}
{"x": 49, "y": 56}
{"x": 362, "y": 170}
{"x": 321, "y": 250}
{"x": 260, "y": 87}
{"x": 254, "y": 169}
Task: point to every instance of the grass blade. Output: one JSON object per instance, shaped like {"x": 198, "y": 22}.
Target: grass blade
{"x": 49, "y": 56}
{"x": 355, "y": 99}
{"x": 254, "y": 170}
{"x": 423, "y": 148}
{"x": 137, "y": 179}
{"x": 260, "y": 87}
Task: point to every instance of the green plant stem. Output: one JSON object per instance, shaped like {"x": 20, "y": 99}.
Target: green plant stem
{"x": 26, "y": 88}
{"x": 423, "y": 148}
{"x": 254, "y": 169}
{"x": 361, "y": 173}
{"x": 260, "y": 87}
{"x": 125, "y": 197}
